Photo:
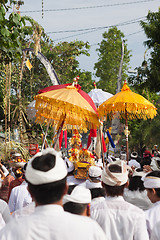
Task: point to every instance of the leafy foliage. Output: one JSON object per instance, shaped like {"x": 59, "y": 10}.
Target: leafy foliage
{"x": 107, "y": 67}
{"x": 151, "y": 28}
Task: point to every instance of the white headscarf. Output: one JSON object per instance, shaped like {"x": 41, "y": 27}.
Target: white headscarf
{"x": 78, "y": 195}
{"x": 115, "y": 179}
{"x": 151, "y": 182}
{"x": 58, "y": 172}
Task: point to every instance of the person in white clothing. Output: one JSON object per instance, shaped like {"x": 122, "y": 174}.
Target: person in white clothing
{"x": 95, "y": 186}
{"x": 78, "y": 202}
{"x": 152, "y": 185}
{"x": 25, "y": 211}
{"x": 5, "y": 216}
{"x": 136, "y": 192}
{"x": 133, "y": 161}
{"x": 119, "y": 219}
{"x": 19, "y": 197}
{"x": 46, "y": 175}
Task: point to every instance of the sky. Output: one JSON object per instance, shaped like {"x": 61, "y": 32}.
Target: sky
{"x": 69, "y": 20}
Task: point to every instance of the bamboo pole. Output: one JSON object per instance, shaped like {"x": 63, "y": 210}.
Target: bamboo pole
{"x": 9, "y": 103}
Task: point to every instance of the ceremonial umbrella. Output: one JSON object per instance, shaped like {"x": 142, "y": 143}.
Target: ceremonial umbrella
{"x": 129, "y": 105}
{"x": 66, "y": 104}
{"x": 99, "y": 96}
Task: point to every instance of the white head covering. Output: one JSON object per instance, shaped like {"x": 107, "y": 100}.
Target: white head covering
{"x": 78, "y": 195}
{"x": 151, "y": 182}
{"x": 91, "y": 185}
{"x": 115, "y": 179}
{"x": 95, "y": 171}
{"x": 139, "y": 174}
{"x": 134, "y": 155}
{"x": 70, "y": 165}
{"x": 37, "y": 177}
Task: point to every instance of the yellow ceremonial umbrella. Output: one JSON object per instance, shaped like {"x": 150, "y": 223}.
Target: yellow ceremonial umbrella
{"x": 129, "y": 105}
{"x": 66, "y": 104}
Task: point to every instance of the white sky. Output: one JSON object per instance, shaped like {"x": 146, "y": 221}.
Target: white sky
{"x": 63, "y": 20}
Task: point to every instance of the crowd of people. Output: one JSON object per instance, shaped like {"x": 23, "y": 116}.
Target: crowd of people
{"x": 117, "y": 201}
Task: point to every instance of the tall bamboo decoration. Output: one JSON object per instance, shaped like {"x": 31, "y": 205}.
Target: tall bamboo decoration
{"x": 20, "y": 97}
{"x": 9, "y": 102}
{"x": 6, "y": 109}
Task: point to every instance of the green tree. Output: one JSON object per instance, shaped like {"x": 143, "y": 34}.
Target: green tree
{"x": 109, "y": 53}
{"x": 151, "y": 28}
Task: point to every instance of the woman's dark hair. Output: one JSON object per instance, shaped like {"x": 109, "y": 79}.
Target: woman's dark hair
{"x": 97, "y": 192}
{"x": 76, "y": 208}
{"x": 155, "y": 174}
{"x": 136, "y": 183}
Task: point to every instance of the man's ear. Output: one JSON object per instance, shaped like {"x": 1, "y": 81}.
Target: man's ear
{"x": 154, "y": 191}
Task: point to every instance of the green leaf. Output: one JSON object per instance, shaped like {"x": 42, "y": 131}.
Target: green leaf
{"x": 5, "y": 32}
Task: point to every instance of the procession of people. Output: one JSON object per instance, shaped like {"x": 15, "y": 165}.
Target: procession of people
{"x": 51, "y": 198}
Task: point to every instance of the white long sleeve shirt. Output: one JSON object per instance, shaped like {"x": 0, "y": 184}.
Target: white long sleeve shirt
{"x": 20, "y": 197}
{"x": 155, "y": 234}
{"x": 152, "y": 216}
{"x": 51, "y": 222}
{"x": 4, "y": 213}
{"x": 120, "y": 220}
{"x": 137, "y": 198}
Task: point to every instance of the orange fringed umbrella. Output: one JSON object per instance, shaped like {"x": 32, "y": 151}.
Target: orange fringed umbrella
{"x": 129, "y": 105}
{"x": 66, "y": 105}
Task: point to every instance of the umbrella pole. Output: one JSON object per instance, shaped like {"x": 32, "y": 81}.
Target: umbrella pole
{"x": 59, "y": 131}
{"x": 126, "y": 136}
{"x": 45, "y": 136}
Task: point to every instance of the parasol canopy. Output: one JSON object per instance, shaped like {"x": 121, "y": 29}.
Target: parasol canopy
{"x": 129, "y": 104}
{"x": 99, "y": 96}
{"x": 66, "y": 103}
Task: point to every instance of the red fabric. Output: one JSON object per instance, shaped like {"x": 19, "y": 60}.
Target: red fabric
{"x": 5, "y": 188}
{"x": 103, "y": 144}
{"x": 60, "y": 139}
{"x": 93, "y": 133}
{"x": 65, "y": 138}
{"x": 89, "y": 141}
{"x": 81, "y": 92}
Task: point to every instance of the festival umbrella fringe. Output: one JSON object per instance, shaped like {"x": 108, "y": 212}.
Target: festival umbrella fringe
{"x": 66, "y": 105}
{"x": 129, "y": 105}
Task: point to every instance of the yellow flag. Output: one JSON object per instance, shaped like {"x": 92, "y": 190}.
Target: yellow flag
{"x": 28, "y": 64}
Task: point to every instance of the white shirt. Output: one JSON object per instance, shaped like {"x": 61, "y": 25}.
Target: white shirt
{"x": 20, "y": 197}
{"x": 25, "y": 211}
{"x": 152, "y": 216}
{"x": 71, "y": 180}
{"x": 96, "y": 200}
{"x": 120, "y": 220}
{"x": 155, "y": 235}
{"x": 134, "y": 163}
{"x": 51, "y": 222}
{"x": 4, "y": 213}
{"x": 137, "y": 198}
